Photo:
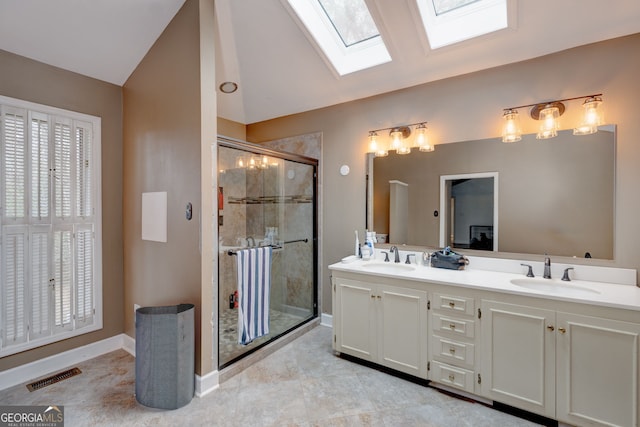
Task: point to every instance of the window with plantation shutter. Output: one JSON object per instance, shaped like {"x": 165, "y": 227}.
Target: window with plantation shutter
{"x": 50, "y": 225}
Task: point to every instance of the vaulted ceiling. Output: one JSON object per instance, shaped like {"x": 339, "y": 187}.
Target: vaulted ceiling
{"x": 278, "y": 68}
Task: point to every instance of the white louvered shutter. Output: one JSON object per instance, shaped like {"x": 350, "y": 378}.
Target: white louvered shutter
{"x": 14, "y": 284}
{"x": 84, "y": 169}
{"x": 63, "y": 276}
{"x": 84, "y": 253}
{"x": 62, "y": 174}
{"x": 41, "y": 284}
{"x": 39, "y": 154}
{"x": 14, "y": 162}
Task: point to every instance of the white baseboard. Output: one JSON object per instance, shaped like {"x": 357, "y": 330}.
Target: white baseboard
{"x": 129, "y": 345}
{"x": 57, "y": 362}
{"x": 207, "y": 383}
{"x": 39, "y": 368}
{"x": 326, "y": 320}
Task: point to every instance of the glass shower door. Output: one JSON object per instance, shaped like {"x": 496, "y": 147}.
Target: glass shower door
{"x": 266, "y": 199}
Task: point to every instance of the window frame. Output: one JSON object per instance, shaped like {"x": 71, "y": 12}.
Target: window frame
{"x": 79, "y": 324}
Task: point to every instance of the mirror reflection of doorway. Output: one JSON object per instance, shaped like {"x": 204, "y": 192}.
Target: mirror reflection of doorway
{"x": 469, "y": 207}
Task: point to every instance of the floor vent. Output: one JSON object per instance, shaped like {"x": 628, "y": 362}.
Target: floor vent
{"x": 37, "y": 385}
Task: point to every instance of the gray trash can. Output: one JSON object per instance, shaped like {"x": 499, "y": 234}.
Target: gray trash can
{"x": 165, "y": 359}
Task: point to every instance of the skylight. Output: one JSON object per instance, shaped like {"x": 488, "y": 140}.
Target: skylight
{"x": 451, "y": 21}
{"x": 351, "y": 20}
{"x": 345, "y": 32}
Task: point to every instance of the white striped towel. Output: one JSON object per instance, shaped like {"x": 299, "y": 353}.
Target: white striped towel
{"x": 254, "y": 288}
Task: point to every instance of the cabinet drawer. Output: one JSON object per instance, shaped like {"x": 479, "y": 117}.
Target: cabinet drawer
{"x": 459, "y": 327}
{"x": 453, "y": 352}
{"x": 454, "y": 304}
{"x": 452, "y": 376}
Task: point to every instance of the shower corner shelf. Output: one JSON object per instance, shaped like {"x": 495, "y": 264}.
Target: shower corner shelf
{"x": 270, "y": 200}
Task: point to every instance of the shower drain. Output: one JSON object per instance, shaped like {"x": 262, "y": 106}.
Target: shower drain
{"x": 37, "y": 385}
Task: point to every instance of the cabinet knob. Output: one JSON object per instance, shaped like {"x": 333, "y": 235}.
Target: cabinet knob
{"x": 451, "y": 377}
{"x": 551, "y": 328}
{"x": 373, "y": 296}
{"x": 452, "y": 350}
{"x": 452, "y": 326}
{"x": 379, "y": 297}
{"x": 452, "y": 304}
{"x": 562, "y": 330}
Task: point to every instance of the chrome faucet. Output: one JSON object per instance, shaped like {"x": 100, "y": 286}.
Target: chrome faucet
{"x": 395, "y": 250}
{"x": 252, "y": 243}
{"x": 547, "y": 267}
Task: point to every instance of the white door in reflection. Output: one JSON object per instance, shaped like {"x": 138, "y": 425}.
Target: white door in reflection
{"x": 469, "y": 211}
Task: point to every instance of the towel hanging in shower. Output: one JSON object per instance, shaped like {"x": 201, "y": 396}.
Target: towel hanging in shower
{"x": 254, "y": 287}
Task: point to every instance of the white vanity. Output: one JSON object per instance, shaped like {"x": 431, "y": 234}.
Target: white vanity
{"x": 565, "y": 350}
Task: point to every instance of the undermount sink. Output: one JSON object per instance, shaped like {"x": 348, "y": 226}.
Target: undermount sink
{"x": 554, "y": 286}
{"x": 389, "y": 267}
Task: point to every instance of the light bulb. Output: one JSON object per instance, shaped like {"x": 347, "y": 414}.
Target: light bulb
{"x": 592, "y": 118}
{"x": 511, "y": 131}
{"x": 375, "y": 147}
{"x": 549, "y": 124}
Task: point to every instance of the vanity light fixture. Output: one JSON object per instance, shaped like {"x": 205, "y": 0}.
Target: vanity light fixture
{"x": 375, "y": 147}
{"x": 593, "y": 116}
{"x": 399, "y": 140}
{"x": 548, "y": 114}
{"x": 422, "y": 139}
{"x": 511, "y": 132}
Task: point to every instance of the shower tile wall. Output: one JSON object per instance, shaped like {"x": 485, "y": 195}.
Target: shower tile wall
{"x": 298, "y": 217}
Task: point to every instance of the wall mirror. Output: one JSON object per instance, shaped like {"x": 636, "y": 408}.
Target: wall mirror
{"x": 552, "y": 196}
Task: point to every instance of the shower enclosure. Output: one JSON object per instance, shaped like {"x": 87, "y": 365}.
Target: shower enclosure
{"x": 266, "y": 197}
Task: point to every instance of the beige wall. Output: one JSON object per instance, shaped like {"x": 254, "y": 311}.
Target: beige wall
{"x": 232, "y": 129}
{"x": 470, "y": 107}
{"x": 167, "y": 143}
{"x": 33, "y": 81}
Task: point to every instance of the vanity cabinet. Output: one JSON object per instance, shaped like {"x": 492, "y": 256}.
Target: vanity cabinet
{"x": 577, "y": 369}
{"x": 382, "y": 324}
{"x": 572, "y": 361}
{"x": 597, "y": 371}
{"x": 452, "y": 345}
{"x": 518, "y": 356}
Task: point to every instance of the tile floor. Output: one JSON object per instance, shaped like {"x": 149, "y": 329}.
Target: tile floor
{"x": 229, "y": 348}
{"x": 301, "y": 384}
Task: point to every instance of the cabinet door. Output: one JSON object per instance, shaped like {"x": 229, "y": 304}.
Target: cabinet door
{"x": 597, "y": 371}
{"x": 354, "y": 325}
{"x": 403, "y": 329}
{"x": 518, "y": 356}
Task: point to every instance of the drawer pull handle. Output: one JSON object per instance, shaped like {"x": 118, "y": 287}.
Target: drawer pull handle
{"x": 452, "y": 304}
{"x": 452, "y": 350}
{"x": 551, "y": 328}
{"x": 373, "y": 296}
{"x": 452, "y": 326}
{"x": 562, "y": 330}
{"x": 379, "y": 297}
{"x": 451, "y": 377}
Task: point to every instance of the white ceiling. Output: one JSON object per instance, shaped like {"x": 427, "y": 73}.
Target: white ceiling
{"x": 278, "y": 68}
{"x": 104, "y": 39}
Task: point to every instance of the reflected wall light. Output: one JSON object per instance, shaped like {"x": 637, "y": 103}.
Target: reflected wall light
{"x": 548, "y": 114}
{"x": 399, "y": 136}
{"x": 593, "y": 116}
